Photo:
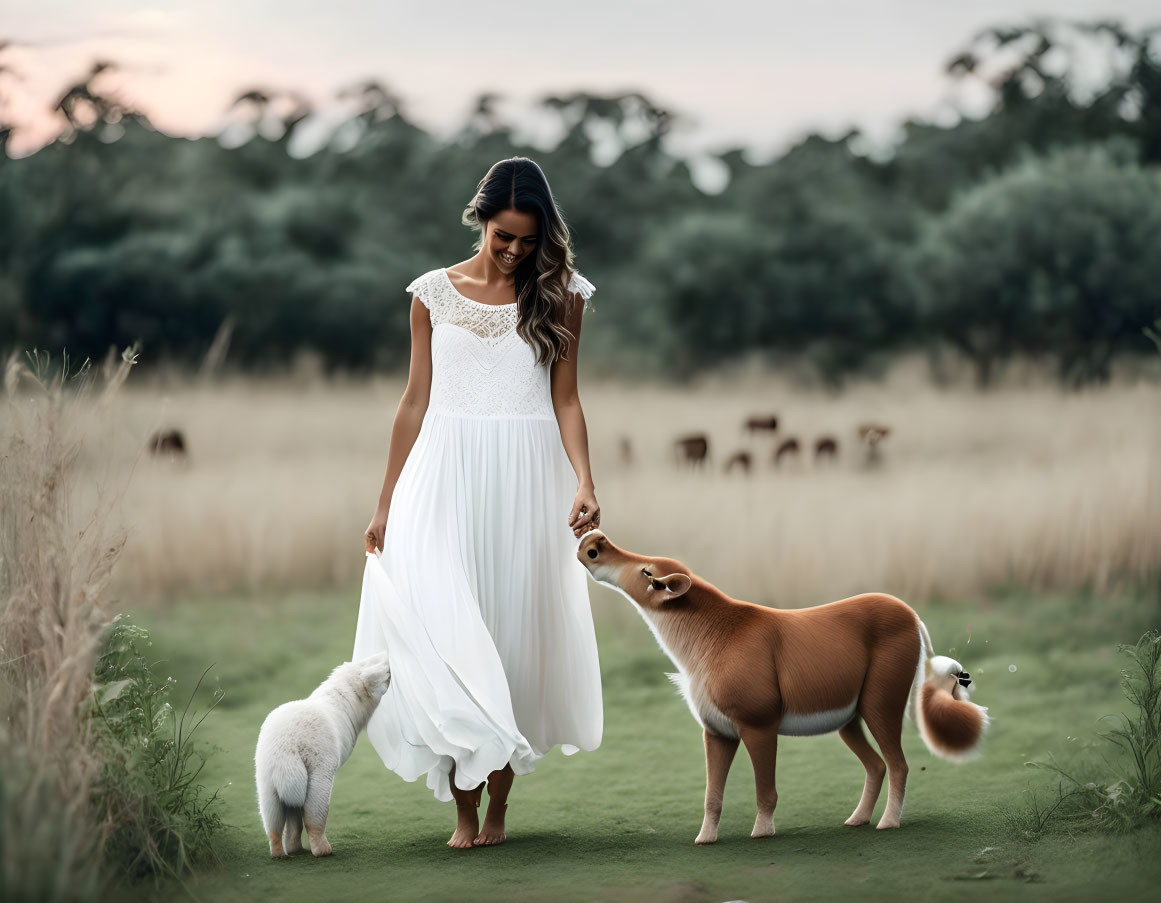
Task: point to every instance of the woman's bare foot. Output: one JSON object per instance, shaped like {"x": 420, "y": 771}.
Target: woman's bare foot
{"x": 493, "y": 831}
{"x": 467, "y": 826}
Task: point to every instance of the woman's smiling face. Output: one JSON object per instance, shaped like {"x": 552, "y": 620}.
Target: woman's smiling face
{"x": 510, "y": 237}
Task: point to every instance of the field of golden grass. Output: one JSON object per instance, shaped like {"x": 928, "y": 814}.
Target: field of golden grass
{"x": 1030, "y": 485}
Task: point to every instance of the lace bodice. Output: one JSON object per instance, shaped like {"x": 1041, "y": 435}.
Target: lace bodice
{"x": 480, "y": 367}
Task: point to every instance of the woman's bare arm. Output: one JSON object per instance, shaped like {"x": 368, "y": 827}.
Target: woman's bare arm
{"x": 408, "y": 418}
{"x": 573, "y": 430}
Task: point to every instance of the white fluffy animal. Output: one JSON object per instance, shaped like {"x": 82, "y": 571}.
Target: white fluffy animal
{"x": 302, "y": 744}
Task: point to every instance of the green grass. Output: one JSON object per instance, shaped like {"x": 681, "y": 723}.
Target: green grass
{"x": 619, "y": 823}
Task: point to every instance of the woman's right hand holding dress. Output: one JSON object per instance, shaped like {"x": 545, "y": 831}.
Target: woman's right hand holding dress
{"x": 375, "y": 530}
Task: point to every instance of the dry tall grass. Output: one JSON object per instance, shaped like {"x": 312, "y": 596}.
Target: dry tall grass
{"x": 55, "y": 560}
{"x": 1027, "y": 484}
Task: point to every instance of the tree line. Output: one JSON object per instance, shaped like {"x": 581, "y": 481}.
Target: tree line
{"x": 1033, "y": 230}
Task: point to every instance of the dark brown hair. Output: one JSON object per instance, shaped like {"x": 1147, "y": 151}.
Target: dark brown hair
{"x": 543, "y": 301}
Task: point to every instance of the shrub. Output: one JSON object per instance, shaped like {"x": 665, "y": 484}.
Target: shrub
{"x": 157, "y": 818}
{"x": 54, "y": 563}
{"x": 1126, "y": 793}
{"x": 1056, "y": 257}
{"x": 92, "y": 757}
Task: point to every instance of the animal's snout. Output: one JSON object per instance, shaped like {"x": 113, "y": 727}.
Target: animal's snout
{"x": 592, "y": 553}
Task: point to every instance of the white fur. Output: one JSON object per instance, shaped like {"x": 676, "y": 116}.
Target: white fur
{"x": 796, "y": 724}
{"x": 689, "y": 685}
{"x": 704, "y": 711}
{"x": 941, "y": 664}
{"x": 925, "y": 652}
{"x": 301, "y": 746}
{"x": 944, "y": 666}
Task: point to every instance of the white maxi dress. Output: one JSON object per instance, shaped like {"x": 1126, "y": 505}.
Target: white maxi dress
{"x": 478, "y": 596}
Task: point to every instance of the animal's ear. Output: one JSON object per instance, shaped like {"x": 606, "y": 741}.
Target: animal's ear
{"x": 670, "y": 587}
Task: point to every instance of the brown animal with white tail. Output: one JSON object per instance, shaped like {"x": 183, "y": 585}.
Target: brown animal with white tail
{"x": 750, "y": 673}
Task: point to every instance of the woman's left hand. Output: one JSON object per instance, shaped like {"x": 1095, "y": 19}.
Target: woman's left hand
{"x": 585, "y": 513}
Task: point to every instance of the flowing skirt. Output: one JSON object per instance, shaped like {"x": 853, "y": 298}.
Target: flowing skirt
{"x": 482, "y": 605}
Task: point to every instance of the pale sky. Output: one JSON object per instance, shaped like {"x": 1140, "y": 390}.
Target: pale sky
{"x": 743, "y": 72}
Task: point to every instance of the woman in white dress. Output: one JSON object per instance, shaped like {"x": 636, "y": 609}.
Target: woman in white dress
{"x": 477, "y": 593}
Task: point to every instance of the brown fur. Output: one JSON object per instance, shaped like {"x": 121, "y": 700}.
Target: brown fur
{"x": 871, "y": 434}
{"x": 739, "y": 459}
{"x": 751, "y": 673}
{"x": 825, "y": 447}
{"x": 692, "y": 449}
{"x": 785, "y": 448}
{"x": 168, "y": 442}
{"x": 951, "y": 724}
{"x": 760, "y": 424}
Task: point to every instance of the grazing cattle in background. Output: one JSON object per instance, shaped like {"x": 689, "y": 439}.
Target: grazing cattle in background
{"x": 739, "y": 459}
{"x": 626, "y": 451}
{"x": 871, "y": 434}
{"x": 692, "y": 450}
{"x": 168, "y": 442}
{"x": 825, "y": 447}
{"x": 786, "y": 448}
{"x": 762, "y": 424}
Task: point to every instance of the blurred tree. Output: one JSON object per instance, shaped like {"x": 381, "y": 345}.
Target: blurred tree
{"x": 824, "y": 284}
{"x": 117, "y": 232}
{"x": 1058, "y": 257}
{"x": 274, "y": 115}
{"x": 7, "y": 73}
{"x": 1039, "y": 73}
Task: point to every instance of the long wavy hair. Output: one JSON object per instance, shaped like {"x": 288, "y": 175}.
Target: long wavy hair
{"x": 543, "y": 301}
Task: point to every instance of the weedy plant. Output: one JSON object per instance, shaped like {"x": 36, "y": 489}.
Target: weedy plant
{"x": 83, "y": 773}
{"x": 1126, "y": 791}
{"x": 157, "y": 818}
{"x": 54, "y": 564}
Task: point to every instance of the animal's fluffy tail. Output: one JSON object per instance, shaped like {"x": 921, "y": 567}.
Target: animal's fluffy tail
{"x": 289, "y": 778}
{"x": 950, "y": 724}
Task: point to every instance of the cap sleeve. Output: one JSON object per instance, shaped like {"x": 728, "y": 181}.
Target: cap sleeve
{"x": 578, "y": 283}
{"x": 419, "y": 287}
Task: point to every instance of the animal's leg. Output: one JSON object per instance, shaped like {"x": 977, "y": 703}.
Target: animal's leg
{"x": 273, "y": 816}
{"x": 719, "y": 754}
{"x": 885, "y": 722}
{"x": 292, "y": 835}
{"x": 315, "y": 810}
{"x": 499, "y": 784}
{"x": 762, "y": 745}
{"x": 854, "y": 738}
